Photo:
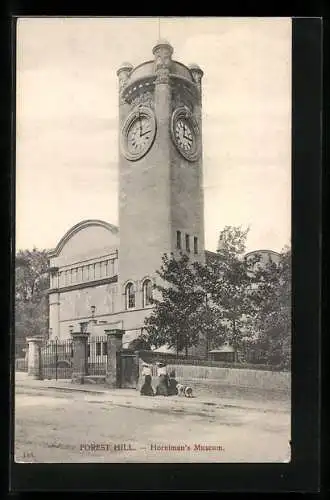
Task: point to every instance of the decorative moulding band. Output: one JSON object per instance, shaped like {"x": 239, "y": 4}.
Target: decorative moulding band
{"x": 88, "y": 284}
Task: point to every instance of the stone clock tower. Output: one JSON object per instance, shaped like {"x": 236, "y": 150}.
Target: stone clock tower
{"x": 161, "y": 206}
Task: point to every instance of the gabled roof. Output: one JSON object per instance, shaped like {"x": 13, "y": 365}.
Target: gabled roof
{"x": 78, "y": 227}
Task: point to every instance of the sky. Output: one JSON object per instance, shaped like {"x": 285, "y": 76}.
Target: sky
{"x": 67, "y": 121}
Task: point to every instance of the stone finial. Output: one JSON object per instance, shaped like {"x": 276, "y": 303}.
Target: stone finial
{"x": 164, "y": 45}
{"x": 123, "y": 73}
{"x": 196, "y": 73}
{"x": 163, "y": 53}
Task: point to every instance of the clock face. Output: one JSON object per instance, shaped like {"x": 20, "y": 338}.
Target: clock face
{"x": 138, "y": 133}
{"x": 185, "y": 133}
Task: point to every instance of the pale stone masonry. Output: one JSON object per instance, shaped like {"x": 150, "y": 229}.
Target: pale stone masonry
{"x": 103, "y": 274}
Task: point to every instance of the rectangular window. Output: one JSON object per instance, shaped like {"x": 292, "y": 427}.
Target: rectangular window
{"x": 88, "y": 350}
{"x": 187, "y": 243}
{"x": 178, "y": 240}
{"x": 105, "y": 348}
{"x": 195, "y": 244}
{"x": 98, "y": 348}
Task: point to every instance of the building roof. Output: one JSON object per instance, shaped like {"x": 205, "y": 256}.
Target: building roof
{"x": 224, "y": 348}
{"x": 78, "y": 227}
{"x": 263, "y": 252}
{"x": 164, "y": 349}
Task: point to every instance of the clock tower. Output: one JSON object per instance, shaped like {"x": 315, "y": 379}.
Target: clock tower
{"x": 161, "y": 207}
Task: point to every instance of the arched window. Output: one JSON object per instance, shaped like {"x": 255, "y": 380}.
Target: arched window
{"x": 146, "y": 293}
{"x": 129, "y": 296}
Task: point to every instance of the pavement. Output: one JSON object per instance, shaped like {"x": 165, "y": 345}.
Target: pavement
{"x": 227, "y": 398}
{"x": 63, "y": 422}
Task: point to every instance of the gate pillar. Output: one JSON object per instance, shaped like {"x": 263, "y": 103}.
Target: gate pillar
{"x": 114, "y": 341}
{"x": 34, "y": 357}
{"x": 80, "y": 355}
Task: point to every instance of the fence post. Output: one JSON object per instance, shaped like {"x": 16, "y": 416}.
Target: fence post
{"x": 34, "y": 357}
{"x": 114, "y": 344}
{"x": 56, "y": 357}
{"x": 80, "y": 359}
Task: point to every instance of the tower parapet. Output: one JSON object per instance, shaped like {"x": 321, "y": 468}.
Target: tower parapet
{"x": 161, "y": 70}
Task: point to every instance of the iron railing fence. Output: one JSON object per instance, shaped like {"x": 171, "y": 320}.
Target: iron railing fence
{"x": 57, "y": 359}
{"x": 170, "y": 359}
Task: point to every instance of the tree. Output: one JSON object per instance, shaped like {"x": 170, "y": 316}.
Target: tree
{"x": 31, "y": 298}
{"x": 176, "y": 319}
{"x": 140, "y": 344}
{"x": 273, "y": 321}
{"x": 227, "y": 298}
{"x": 228, "y": 279}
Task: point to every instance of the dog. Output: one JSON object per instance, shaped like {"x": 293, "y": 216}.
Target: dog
{"x": 184, "y": 390}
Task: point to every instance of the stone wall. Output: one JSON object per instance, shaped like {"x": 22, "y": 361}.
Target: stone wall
{"x": 237, "y": 378}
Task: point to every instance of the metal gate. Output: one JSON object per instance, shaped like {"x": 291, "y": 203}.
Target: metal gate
{"x": 128, "y": 369}
{"x": 97, "y": 355}
{"x": 56, "y": 359}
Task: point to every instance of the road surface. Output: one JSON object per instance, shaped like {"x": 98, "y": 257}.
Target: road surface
{"x": 63, "y": 427}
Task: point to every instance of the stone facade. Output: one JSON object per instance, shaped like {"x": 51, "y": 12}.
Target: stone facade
{"x": 100, "y": 274}
{"x": 161, "y": 192}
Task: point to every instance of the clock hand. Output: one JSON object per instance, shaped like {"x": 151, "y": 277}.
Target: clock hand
{"x": 146, "y": 132}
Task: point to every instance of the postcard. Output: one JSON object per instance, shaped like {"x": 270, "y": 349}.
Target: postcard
{"x": 153, "y": 240}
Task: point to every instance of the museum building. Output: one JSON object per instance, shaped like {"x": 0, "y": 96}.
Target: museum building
{"x": 103, "y": 274}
